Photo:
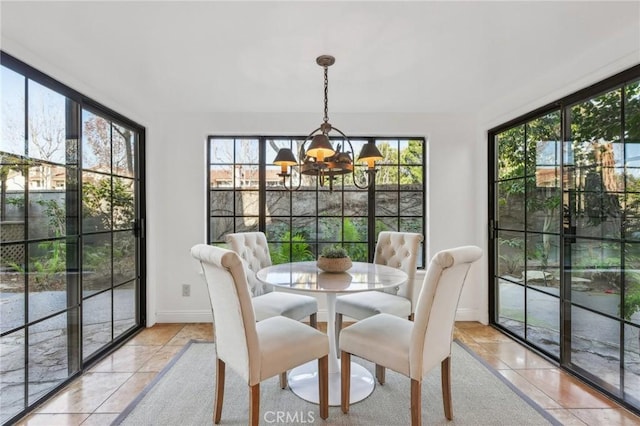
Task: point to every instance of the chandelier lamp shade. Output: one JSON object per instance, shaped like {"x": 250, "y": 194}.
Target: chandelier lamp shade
{"x": 320, "y": 158}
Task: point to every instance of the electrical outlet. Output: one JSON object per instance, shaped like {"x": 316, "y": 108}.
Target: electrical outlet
{"x": 186, "y": 290}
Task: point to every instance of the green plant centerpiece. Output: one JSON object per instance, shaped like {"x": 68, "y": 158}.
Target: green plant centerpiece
{"x": 334, "y": 259}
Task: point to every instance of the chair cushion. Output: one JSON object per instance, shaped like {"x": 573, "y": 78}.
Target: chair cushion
{"x": 383, "y": 339}
{"x": 369, "y": 303}
{"x": 279, "y": 303}
{"x": 285, "y": 343}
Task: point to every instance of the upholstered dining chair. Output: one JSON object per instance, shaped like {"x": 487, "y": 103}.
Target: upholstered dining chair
{"x": 254, "y": 251}
{"x": 413, "y": 348}
{"x": 254, "y": 350}
{"x": 398, "y": 250}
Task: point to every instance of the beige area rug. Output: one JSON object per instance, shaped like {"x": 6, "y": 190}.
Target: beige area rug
{"x": 182, "y": 394}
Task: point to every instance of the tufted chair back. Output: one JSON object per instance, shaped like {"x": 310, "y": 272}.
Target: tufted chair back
{"x": 400, "y": 250}
{"x": 253, "y": 249}
{"x": 432, "y": 332}
{"x": 237, "y": 340}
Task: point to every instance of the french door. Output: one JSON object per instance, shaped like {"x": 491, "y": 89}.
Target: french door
{"x": 564, "y": 214}
{"x": 71, "y": 205}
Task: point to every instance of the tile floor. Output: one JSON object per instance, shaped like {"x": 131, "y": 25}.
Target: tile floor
{"x": 99, "y": 395}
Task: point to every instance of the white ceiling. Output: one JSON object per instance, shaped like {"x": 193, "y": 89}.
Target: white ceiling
{"x": 260, "y": 56}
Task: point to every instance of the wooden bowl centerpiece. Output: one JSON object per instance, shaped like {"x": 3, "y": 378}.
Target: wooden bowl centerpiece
{"x": 334, "y": 259}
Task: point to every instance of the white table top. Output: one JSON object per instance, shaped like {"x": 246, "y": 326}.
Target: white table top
{"x": 305, "y": 276}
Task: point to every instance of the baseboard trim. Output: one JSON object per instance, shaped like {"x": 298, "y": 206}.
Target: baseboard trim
{"x": 205, "y": 316}
{"x": 184, "y": 316}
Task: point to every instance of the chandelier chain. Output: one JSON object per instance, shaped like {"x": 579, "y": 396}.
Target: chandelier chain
{"x": 326, "y": 94}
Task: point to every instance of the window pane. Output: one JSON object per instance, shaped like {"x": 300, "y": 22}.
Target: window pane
{"x": 595, "y": 275}
{"x": 632, "y": 284}
{"x": 47, "y": 130}
{"x": 96, "y": 323}
{"x": 278, "y": 229}
{"x": 47, "y": 278}
{"x": 123, "y": 145}
{"x": 543, "y": 262}
{"x": 221, "y": 151}
{"x": 124, "y": 308}
{"x": 247, "y": 151}
{"x": 96, "y": 263}
{"x": 246, "y": 177}
{"x": 389, "y": 150}
{"x": 330, "y": 229}
{"x": 411, "y": 152}
{"x": 12, "y": 375}
{"x": 355, "y": 203}
{"x": 510, "y": 203}
{"x": 48, "y": 351}
{"x": 124, "y": 257}
{"x": 411, "y": 177}
{"x": 247, "y": 203}
{"x": 632, "y": 362}
{"x": 221, "y": 203}
{"x": 543, "y": 320}
{"x": 221, "y": 176}
{"x": 511, "y": 153}
{"x": 304, "y": 203}
{"x": 511, "y": 306}
{"x": 511, "y": 255}
{"x": 544, "y": 204}
{"x": 408, "y": 224}
{"x": 219, "y": 227}
{"x": 388, "y": 177}
{"x": 96, "y": 202}
{"x": 278, "y": 203}
{"x": 387, "y": 203}
{"x": 123, "y": 204}
{"x": 246, "y": 224}
{"x": 12, "y": 114}
{"x": 47, "y": 209}
{"x": 12, "y": 286}
{"x": 411, "y": 204}
{"x": 595, "y": 345}
{"x": 96, "y": 143}
{"x": 386, "y": 224}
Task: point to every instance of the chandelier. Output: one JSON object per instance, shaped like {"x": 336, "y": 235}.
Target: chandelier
{"x": 321, "y": 159}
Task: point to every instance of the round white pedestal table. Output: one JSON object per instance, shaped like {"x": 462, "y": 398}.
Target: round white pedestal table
{"x": 306, "y": 277}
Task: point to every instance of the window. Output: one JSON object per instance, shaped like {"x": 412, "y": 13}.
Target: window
{"x": 565, "y": 248}
{"x": 71, "y": 281}
{"x": 246, "y": 194}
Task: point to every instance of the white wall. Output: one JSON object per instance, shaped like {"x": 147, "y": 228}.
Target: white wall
{"x": 177, "y": 193}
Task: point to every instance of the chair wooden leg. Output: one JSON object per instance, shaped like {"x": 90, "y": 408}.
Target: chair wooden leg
{"x": 217, "y": 407}
{"x": 416, "y": 402}
{"x": 254, "y": 405}
{"x": 346, "y": 381}
{"x": 380, "y": 370}
{"x": 283, "y": 380}
{"x": 323, "y": 386}
{"x": 445, "y": 373}
{"x": 313, "y": 320}
{"x": 338, "y": 328}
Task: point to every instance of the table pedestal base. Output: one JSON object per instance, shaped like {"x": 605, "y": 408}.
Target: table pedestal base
{"x": 303, "y": 381}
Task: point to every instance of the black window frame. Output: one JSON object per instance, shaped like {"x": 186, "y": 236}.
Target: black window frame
{"x": 339, "y": 191}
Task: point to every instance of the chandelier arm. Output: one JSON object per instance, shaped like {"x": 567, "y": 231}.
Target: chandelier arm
{"x": 370, "y": 173}
{"x": 290, "y": 188}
